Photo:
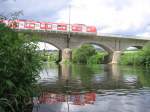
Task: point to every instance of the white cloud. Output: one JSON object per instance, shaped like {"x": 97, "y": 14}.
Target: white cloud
{"x": 110, "y": 16}
{"x": 34, "y": 9}
{"x": 144, "y": 35}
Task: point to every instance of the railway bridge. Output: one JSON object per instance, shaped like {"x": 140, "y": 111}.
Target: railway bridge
{"x": 65, "y": 42}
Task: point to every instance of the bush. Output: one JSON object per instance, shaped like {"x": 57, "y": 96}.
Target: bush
{"x": 19, "y": 68}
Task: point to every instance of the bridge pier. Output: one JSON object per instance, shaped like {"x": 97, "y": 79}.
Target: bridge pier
{"x": 66, "y": 55}
{"x": 115, "y": 57}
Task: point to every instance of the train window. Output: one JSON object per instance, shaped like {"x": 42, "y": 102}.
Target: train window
{"x": 17, "y": 24}
{"x": 91, "y": 29}
{"x": 32, "y": 25}
{"x": 37, "y": 25}
{"x": 62, "y": 27}
{"x": 77, "y": 27}
{"x": 49, "y": 26}
{"x": 42, "y": 25}
{"x": 59, "y": 25}
{"x": 54, "y": 25}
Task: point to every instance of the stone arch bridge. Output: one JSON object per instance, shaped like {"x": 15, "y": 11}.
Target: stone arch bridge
{"x": 113, "y": 44}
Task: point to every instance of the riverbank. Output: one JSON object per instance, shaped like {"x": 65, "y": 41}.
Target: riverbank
{"x": 136, "y": 58}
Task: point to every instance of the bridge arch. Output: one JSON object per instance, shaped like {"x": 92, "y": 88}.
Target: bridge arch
{"x": 132, "y": 45}
{"x": 105, "y": 47}
{"x": 50, "y": 43}
{"x": 138, "y": 47}
{"x": 48, "y": 47}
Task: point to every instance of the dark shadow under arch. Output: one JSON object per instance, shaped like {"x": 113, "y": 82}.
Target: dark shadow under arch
{"x": 137, "y": 47}
{"x": 105, "y": 47}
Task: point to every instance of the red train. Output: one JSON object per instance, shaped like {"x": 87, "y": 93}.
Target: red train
{"x": 49, "y": 26}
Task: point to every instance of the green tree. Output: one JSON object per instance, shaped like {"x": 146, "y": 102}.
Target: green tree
{"x": 82, "y": 54}
{"x": 98, "y": 58}
{"x": 19, "y": 68}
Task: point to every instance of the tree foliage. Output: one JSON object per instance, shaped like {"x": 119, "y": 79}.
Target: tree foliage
{"x": 82, "y": 54}
{"x": 19, "y": 68}
{"x": 137, "y": 58}
{"x": 87, "y": 54}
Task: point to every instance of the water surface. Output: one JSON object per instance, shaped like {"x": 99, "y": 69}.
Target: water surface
{"x": 93, "y": 88}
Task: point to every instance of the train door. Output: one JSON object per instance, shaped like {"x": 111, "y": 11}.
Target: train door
{"x": 21, "y": 24}
{"x": 83, "y": 28}
{"x": 37, "y": 26}
{"x": 54, "y": 26}
{"x": 42, "y": 25}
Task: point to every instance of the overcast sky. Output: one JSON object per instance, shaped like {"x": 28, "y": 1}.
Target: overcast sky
{"x": 125, "y": 17}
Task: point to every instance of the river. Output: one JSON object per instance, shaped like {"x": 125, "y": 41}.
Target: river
{"x": 93, "y": 88}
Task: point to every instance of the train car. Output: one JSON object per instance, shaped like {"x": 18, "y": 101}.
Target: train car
{"x": 61, "y": 27}
{"x": 40, "y": 26}
{"x": 54, "y": 26}
{"x": 91, "y": 29}
{"x": 78, "y": 28}
{"x": 1, "y": 21}
{"x": 48, "y": 26}
{"x": 12, "y": 24}
{"x": 43, "y": 25}
{"x": 20, "y": 24}
{"x": 37, "y": 26}
{"x": 5, "y": 22}
{"x": 30, "y": 25}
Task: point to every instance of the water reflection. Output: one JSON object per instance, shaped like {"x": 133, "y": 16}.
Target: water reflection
{"x": 85, "y": 88}
{"x": 74, "y": 98}
{"x": 84, "y": 77}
